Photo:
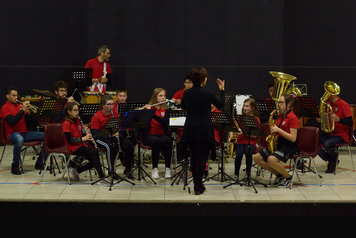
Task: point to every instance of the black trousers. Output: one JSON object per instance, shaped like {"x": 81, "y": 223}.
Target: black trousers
{"x": 199, "y": 156}
{"x": 159, "y": 143}
{"x": 92, "y": 156}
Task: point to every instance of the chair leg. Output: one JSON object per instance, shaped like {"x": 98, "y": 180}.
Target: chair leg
{"x": 2, "y": 154}
{"x": 316, "y": 171}
{"x": 48, "y": 159}
{"x": 352, "y": 161}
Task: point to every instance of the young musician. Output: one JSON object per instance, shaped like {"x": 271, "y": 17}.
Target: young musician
{"x": 127, "y": 136}
{"x": 286, "y": 128}
{"x": 342, "y": 118}
{"x": 177, "y": 97}
{"x": 157, "y": 136}
{"x": 76, "y": 143}
{"x": 249, "y": 109}
{"x": 198, "y": 132}
{"x": 101, "y": 69}
{"x": 16, "y": 117}
{"x": 110, "y": 143}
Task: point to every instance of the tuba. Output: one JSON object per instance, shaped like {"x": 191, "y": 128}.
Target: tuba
{"x": 331, "y": 88}
{"x": 280, "y": 87}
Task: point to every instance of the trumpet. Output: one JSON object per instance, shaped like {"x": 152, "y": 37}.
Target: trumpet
{"x": 32, "y": 107}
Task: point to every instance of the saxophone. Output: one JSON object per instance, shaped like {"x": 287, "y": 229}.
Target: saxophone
{"x": 280, "y": 87}
{"x": 327, "y": 125}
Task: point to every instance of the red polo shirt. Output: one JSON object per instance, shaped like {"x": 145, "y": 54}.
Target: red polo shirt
{"x": 98, "y": 67}
{"x": 242, "y": 139}
{"x": 288, "y": 122}
{"x": 157, "y": 128}
{"x": 75, "y": 128}
{"x": 99, "y": 119}
{"x": 343, "y": 110}
{"x": 13, "y": 109}
{"x": 179, "y": 94}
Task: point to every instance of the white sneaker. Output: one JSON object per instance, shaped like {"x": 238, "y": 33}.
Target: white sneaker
{"x": 155, "y": 174}
{"x": 168, "y": 173}
{"x": 74, "y": 173}
{"x": 104, "y": 183}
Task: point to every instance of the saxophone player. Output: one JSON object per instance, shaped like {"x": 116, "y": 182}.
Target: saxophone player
{"x": 286, "y": 128}
{"x": 342, "y": 119}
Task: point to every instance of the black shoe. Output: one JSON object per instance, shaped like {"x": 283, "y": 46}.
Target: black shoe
{"x": 39, "y": 166}
{"x": 15, "y": 170}
{"x": 199, "y": 191}
{"x": 128, "y": 174}
{"x": 332, "y": 166}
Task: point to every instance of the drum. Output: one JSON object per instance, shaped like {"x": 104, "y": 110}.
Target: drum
{"x": 91, "y": 97}
{"x": 112, "y": 94}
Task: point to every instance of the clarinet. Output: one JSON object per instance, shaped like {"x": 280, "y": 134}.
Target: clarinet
{"x": 86, "y": 130}
{"x": 117, "y": 137}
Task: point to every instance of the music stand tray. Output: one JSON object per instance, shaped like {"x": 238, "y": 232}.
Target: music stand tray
{"x": 249, "y": 127}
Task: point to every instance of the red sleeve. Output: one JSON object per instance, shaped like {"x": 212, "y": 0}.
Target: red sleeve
{"x": 95, "y": 123}
{"x": 66, "y": 127}
{"x": 346, "y": 110}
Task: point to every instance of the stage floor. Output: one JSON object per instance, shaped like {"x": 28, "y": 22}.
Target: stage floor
{"x": 339, "y": 188}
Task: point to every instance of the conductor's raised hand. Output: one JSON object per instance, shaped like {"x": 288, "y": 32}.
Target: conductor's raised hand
{"x": 221, "y": 83}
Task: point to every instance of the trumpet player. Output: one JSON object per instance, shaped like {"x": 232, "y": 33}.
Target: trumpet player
{"x": 286, "y": 128}
{"x": 16, "y": 119}
{"x": 342, "y": 118}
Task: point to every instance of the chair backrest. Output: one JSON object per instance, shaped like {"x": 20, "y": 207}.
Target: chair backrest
{"x": 55, "y": 141}
{"x": 3, "y": 139}
{"x": 308, "y": 140}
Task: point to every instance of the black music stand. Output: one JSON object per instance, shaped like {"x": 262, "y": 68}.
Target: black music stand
{"x": 49, "y": 107}
{"x": 307, "y": 107}
{"x": 183, "y": 173}
{"x": 125, "y": 107}
{"x": 223, "y": 122}
{"x": 81, "y": 78}
{"x": 250, "y": 127}
{"x": 87, "y": 111}
{"x": 110, "y": 128}
{"x": 139, "y": 119}
{"x": 264, "y": 108}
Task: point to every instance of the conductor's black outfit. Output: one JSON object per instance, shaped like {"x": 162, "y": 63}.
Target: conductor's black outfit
{"x": 198, "y": 133}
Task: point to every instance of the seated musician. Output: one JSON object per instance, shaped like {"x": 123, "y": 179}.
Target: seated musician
{"x": 16, "y": 118}
{"x": 76, "y": 143}
{"x": 157, "y": 136}
{"x": 109, "y": 142}
{"x": 61, "y": 91}
{"x": 177, "y": 97}
{"x": 249, "y": 109}
{"x": 101, "y": 69}
{"x": 286, "y": 128}
{"x": 342, "y": 118}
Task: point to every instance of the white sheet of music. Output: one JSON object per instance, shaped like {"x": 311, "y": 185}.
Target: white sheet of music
{"x": 177, "y": 121}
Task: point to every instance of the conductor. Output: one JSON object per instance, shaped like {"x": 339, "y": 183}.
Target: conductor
{"x": 198, "y": 132}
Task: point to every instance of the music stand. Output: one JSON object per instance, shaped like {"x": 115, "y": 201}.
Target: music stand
{"x": 223, "y": 122}
{"x": 111, "y": 127}
{"x": 139, "y": 119}
{"x": 307, "y": 107}
{"x": 250, "y": 127}
{"x": 125, "y": 107}
{"x": 82, "y": 78}
{"x": 87, "y": 111}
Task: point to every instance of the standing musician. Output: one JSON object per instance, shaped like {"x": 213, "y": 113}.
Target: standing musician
{"x": 157, "y": 135}
{"x": 286, "y": 128}
{"x": 249, "y": 109}
{"x": 16, "y": 119}
{"x": 101, "y": 69}
{"x": 76, "y": 143}
{"x": 343, "y": 121}
{"x": 198, "y": 132}
{"x": 110, "y": 143}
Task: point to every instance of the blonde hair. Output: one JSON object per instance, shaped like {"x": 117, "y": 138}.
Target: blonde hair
{"x": 153, "y": 99}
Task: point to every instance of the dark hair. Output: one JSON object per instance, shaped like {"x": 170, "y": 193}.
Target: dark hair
{"x": 69, "y": 107}
{"x": 198, "y": 75}
{"x": 290, "y": 98}
{"x": 187, "y": 77}
{"x": 104, "y": 99}
{"x": 11, "y": 88}
{"x": 119, "y": 90}
{"x": 271, "y": 84}
{"x": 60, "y": 84}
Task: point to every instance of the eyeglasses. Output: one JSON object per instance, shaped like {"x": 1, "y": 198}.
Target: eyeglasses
{"x": 110, "y": 104}
{"x": 280, "y": 102}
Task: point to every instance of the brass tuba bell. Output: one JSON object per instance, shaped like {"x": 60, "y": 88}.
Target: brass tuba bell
{"x": 325, "y": 110}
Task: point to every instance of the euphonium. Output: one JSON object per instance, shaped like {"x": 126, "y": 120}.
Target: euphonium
{"x": 331, "y": 88}
{"x": 280, "y": 87}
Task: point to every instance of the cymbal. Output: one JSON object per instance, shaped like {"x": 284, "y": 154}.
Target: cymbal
{"x": 45, "y": 92}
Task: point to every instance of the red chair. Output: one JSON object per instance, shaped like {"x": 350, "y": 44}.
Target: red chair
{"x": 55, "y": 145}
{"x": 308, "y": 143}
{"x": 348, "y": 146}
{"x": 5, "y": 142}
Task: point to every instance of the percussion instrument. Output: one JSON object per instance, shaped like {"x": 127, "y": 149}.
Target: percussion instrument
{"x": 112, "y": 94}
{"x": 90, "y": 97}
